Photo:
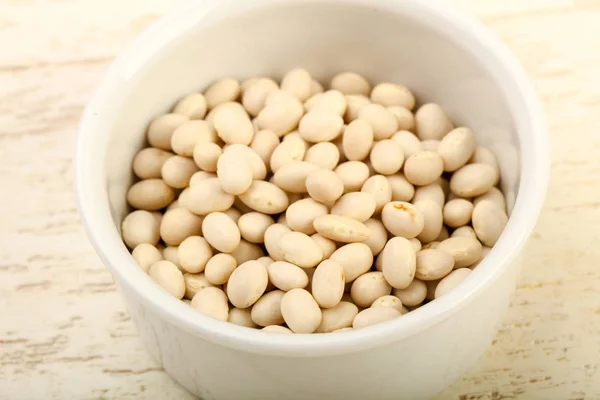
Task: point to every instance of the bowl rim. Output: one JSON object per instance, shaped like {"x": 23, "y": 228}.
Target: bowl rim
{"x": 90, "y": 182}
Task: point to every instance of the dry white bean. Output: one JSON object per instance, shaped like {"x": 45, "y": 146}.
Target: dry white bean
{"x": 350, "y": 83}
{"x": 399, "y": 262}
{"x": 253, "y": 225}
{"x": 320, "y": 126}
{"x": 408, "y": 142}
{"x": 281, "y": 114}
{"x": 341, "y": 229}
{"x": 193, "y": 254}
{"x": 150, "y": 194}
{"x": 355, "y": 103}
{"x": 300, "y": 311}
{"x": 140, "y": 227}
{"x": 292, "y": 177}
{"x": 178, "y": 224}
{"x": 272, "y": 236}
{"x": 405, "y": 118}
{"x": 301, "y": 214}
{"x": 357, "y": 205}
{"x": 219, "y": 268}
{"x": 267, "y": 310}
{"x": 286, "y": 276}
{"x": 316, "y": 88}
{"x": 451, "y": 281}
{"x": 355, "y": 258}
{"x": 382, "y": 121}
{"x": 233, "y": 124}
{"x": 432, "y": 122}
{"x": 331, "y": 101}
{"x": 265, "y": 197}
{"x": 207, "y": 196}
{"x": 379, "y": 186}
{"x": 325, "y": 155}
{"x": 212, "y": 301}
{"x": 378, "y": 237}
{"x": 148, "y": 162}
{"x": 161, "y": 130}
{"x": 264, "y": 143}
{"x": 457, "y": 212}
{"x": 464, "y": 231}
{"x": 221, "y": 232}
{"x": 390, "y": 94}
{"x": 195, "y": 283}
{"x": 324, "y": 186}
{"x": 187, "y": 136}
{"x": 456, "y": 148}
{"x": 177, "y": 171}
{"x": 489, "y": 221}
{"x": 481, "y": 155}
{"x": 433, "y": 220}
{"x": 353, "y": 174}
{"x": 327, "y": 246}
{"x": 200, "y": 176}
{"x": 255, "y": 95}
{"x": 241, "y": 317}
{"x": 167, "y": 275}
{"x": 299, "y": 249}
{"x": 287, "y": 152}
{"x": 145, "y": 255}
{"x": 328, "y": 283}
{"x": 433, "y": 264}
{"x": 247, "y": 283}
{"x": 494, "y": 195}
{"x": 338, "y": 317}
{"x": 357, "y": 140}
{"x": 423, "y": 168}
{"x": 412, "y": 295}
{"x": 233, "y": 213}
{"x": 433, "y": 192}
{"x": 388, "y": 301}
{"x": 466, "y": 251}
{"x": 369, "y": 287}
{"x": 472, "y": 180}
{"x": 255, "y": 163}
{"x": 386, "y": 157}
{"x": 430, "y": 145}
{"x": 277, "y": 329}
{"x": 192, "y": 106}
{"x": 222, "y": 91}
{"x": 206, "y": 156}
{"x": 374, "y": 315}
{"x": 402, "y": 219}
{"x": 235, "y": 176}
{"x": 297, "y": 82}
{"x": 247, "y": 251}
{"x": 402, "y": 189}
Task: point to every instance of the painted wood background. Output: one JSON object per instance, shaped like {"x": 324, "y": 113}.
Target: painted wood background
{"x": 64, "y": 333}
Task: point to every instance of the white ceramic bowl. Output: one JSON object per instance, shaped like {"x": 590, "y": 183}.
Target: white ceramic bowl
{"x": 443, "y": 56}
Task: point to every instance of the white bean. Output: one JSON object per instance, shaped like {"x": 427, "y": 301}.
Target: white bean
{"x": 382, "y": 121}
{"x": 300, "y": 311}
{"x": 292, "y": 177}
{"x": 457, "y": 212}
{"x": 150, "y": 194}
{"x": 325, "y": 155}
{"x": 195, "y": 283}
{"x": 433, "y": 220}
{"x": 299, "y": 249}
{"x": 389, "y": 94}
{"x": 327, "y": 246}
{"x": 265, "y": 197}
{"x": 369, "y": 287}
{"x": 466, "y": 251}
{"x": 456, "y": 148}
{"x": 451, "y": 281}
{"x": 402, "y": 189}
{"x": 222, "y": 91}
{"x": 355, "y": 103}
{"x": 167, "y": 275}
{"x": 287, "y": 152}
{"x": 328, "y": 283}
{"x": 286, "y": 276}
{"x": 353, "y": 174}
{"x": 433, "y": 264}
{"x": 140, "y": 227}
{"x": 320, "y": 126}
{"x": 148, "y": 162}
{"x": 297, "y": 82}
{"x": 355, "y": 259}
{"x": 399, "y": 262}
{"x": 472, "y": 180}
{"x": 423, "y": 168}
{"x": 193, "y": 254}
{"x": 212, "y": 301}
{"x": 357, "y": 140}
{"x": 374, "y": 315}
{"x": 324, "y": 186}
{"x": 253, "y": 226}
{"x": 351, "y": 83}
{"x": 145, "y": 255}
{"x": 341, "y": 229}
{"x": 357, "y": 205}
{"x": 281, "y": 114}
{"x": 247, "y": 283}
{"x": 264, "y": 144}
{"x": 388, "y": 301}
{"x": 219, "y": 268}
{"x": 412, "y": 295}
{"x": 402, "y": 219}
{"x": 207, "y": 196}
{"x": 489, "y": 221}
{"x": 432, "y": 122}
{"x": 233, "y": 124}
{"x": 379, "y": 186}
{"x": 178, "y": 224}
{"x": 221, "y": 232}
{"x": 405, "y": 118}
{"x": 241, "y": 317}
{"x": 272, "y": 236}
{"x": 301, "y": 214}
{"x": 267, "y": 310}
{"x": 161, "y": 130}
{"x": 337, "y": 317}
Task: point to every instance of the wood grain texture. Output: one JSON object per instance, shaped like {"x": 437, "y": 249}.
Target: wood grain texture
{"x": 64, "y": 333}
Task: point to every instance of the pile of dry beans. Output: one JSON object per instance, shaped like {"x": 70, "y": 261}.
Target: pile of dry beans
{"x": 298, "y": 210}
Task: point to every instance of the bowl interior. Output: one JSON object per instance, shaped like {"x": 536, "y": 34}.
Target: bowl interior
{"x": 442, "y": 56}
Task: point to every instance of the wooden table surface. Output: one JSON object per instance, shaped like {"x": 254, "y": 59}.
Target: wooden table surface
{"x": 64, "y": 333}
